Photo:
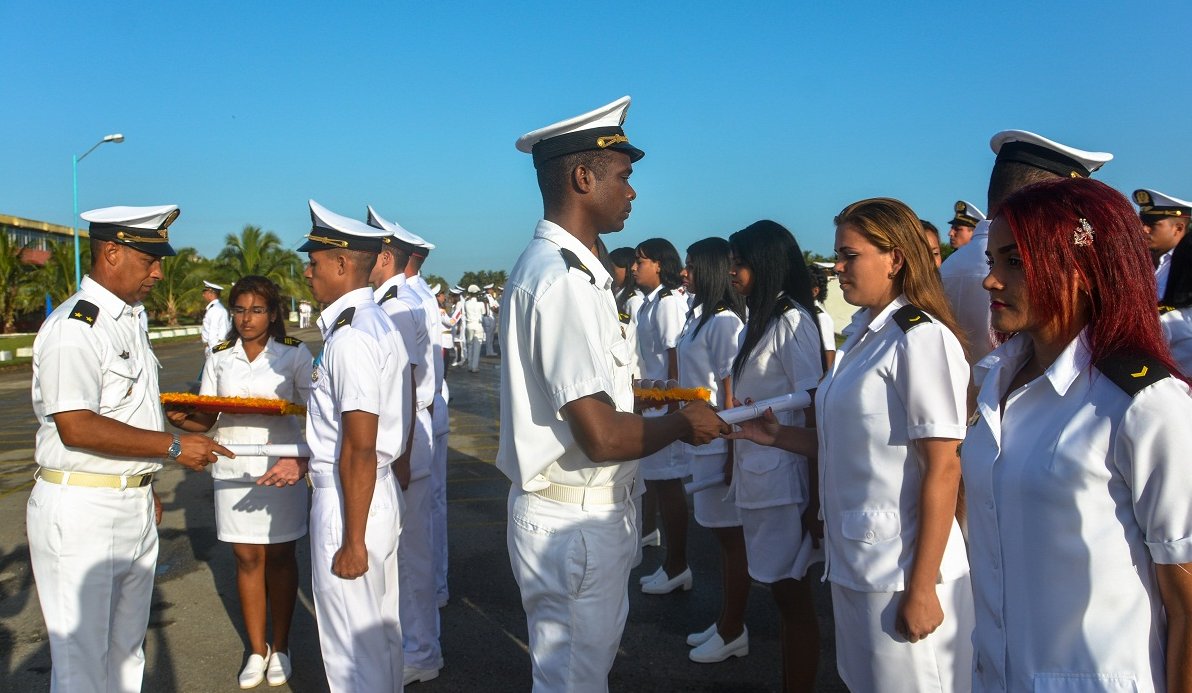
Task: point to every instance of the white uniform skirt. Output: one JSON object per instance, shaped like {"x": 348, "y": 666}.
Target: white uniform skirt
{"x": 249, "y": 514}
{"x": 713, "y": 506}
{"x": 776, "y": 544}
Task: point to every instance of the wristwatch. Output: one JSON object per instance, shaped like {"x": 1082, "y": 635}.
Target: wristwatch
{"x": 175, "y": 448}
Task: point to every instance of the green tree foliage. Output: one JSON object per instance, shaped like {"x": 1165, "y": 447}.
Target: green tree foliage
{"x": 261, "y": 253}
{"x": 432, "y": 279}
{"x": 482, "y": 277}
{"x": 14, "y": 293}
{"x": 57, "y": 276}
{"x": 179, "y": 292}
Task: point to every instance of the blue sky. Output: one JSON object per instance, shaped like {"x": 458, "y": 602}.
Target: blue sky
{"x": 240, "y": 111}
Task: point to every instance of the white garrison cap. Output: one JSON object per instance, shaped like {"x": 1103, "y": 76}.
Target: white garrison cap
{"x": 595, "y": 130}
{"x": 1154, "y": 205}
{"x": 473, "y": 289}
{"x": 967, "y": 214}
{"x": 1040, "y": 152}
{"x": 143, "y": 228}
{"x": 330, "y": 230}
{"x": 213, "y": 287}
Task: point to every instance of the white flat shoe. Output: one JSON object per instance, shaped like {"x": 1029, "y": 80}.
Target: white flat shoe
{"x": 253, "y": 672}
{"x": 663, "y": 585}
{"x": 651, "y": 577}
{"x": 278, "y": 670}
{"x": 415, "y": 675}
{"x": 716, "y": 650}
{"x": 652, "y": 539}
{"x": 697, "y": 639}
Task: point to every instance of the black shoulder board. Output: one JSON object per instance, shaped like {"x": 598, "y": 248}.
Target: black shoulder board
{"x": 664, "y": 293}
{"x": 819, "y": 311}
{"x": 391, "y": 293}
{"x": 720, "y": 307}
{"x": 291, "y": 341}
{"x": 1165, "y": 309}
{"x": 1132, "y": 373}
{"x": 85, "y": 311}
{"x": 624, "y": 317}
{"x": 345, "y": 318}
{"x": 573, "y": 262}
{"x": 222, "y": 346}
{"x": 784, "y": 304}
{"x": 908, "y": 317}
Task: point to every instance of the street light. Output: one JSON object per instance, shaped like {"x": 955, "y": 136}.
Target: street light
{"x": 117, "y": 138}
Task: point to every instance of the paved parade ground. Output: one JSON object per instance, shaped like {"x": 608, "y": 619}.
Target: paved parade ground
{"x": 194, "y": 641}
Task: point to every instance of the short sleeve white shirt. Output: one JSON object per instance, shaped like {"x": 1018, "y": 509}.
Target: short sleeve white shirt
{"x": 561, "y": 340}
{"x": 890, "y": 386}
{"x": 1177, "y": 328}
{"x": 100, "y": 361}
{"x": 216, "y": 325}
{"x": 786, "y": 359}
{"x": 706, "y": 359}
{"x": 1075, "y": 490}
{"x": 827, "y": 328}
{"x": 363, "y": 367}
{"x": 281, "y": 371}
{"x": 404, "y": 308}
{"x": 659, "y": 324}
{"x": 962, "y": 274}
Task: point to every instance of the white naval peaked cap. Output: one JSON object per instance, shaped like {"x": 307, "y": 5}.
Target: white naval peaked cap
{"x": 1038, "y": 151}
{"x": 595, "y": 130}
{"x": 331, "y": 231}
{"x": 488, "y": 286}
{"x": 143, "y": 228}
{"x": 456, "y": 290}
{"x": 213, "y": 287}
{"x": 435, "y": 289}
{"x": 1154, "y": 205}
{"x": 473, "y": 289}
{"x": 967, "y": 214}
{"x": 402, "y": 238}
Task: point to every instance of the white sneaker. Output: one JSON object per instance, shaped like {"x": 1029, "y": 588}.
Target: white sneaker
{"x": 697, "y": 639}
{"x": 253, "y": 672}
{"x": 717, "y": 650}
{"x": 414, "y": 675}
{"x": 278, "y": 671}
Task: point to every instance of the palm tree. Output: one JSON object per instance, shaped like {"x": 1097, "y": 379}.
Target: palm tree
{"x": 180, "y": 289}
{"x": 261, "y": 252}
{"x": 57, "y": 276}
{"x": 12, "y": 274}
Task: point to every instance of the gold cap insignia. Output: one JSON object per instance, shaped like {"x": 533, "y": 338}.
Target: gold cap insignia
{"x": 610, "y": 140}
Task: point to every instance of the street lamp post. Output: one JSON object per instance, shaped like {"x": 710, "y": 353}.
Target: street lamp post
{"x": 74, "y": 165}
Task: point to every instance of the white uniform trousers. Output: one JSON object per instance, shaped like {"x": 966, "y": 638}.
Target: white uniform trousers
{"x": 872, "y": 656}
{"x": 93, "y": 552}
{"x": 419, "y": 610}
{"x": 438, "y": 514}
{"x": 572, "y": 565}
{"x": 359, "y": 632}
{"x": 474, "y": 334}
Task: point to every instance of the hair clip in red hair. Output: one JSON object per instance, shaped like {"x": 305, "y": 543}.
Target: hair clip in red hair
{"x": 1083, "y": 235}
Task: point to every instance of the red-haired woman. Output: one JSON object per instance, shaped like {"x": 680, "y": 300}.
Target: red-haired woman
{"x": 1076, "y": 467}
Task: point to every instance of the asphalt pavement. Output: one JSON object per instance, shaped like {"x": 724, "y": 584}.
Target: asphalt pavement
{"x": 194, "y": 640}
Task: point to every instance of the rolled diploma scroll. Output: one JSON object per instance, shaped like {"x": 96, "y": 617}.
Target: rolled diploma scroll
{"x": 745, "y": 412}
{"x": 271, "y": 450}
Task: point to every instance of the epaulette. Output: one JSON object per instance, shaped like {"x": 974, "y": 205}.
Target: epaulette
{"x": 573, "y": 262}
{"x": 909, "y": 317}
{"x": 818, "y": 310}
{"x": 345, "y": 318}
{"x": 624, "y": 317}
{"x": 1165, "y": 309}
{"x": 222, "y": 346}
{"x": 784, "y": 304}
{"x": 720, "y": 308}
{"x": 665, "y": 292}
{"x": 1132, "y": 373}
{"x": 291, "y": 341}
{"x": 391, "y": 293}
{"x": 85, "y": 311}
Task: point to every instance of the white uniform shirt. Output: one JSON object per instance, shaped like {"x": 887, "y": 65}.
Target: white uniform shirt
{"x": 962, "y": 274}
{"x": 1075, "y": 490}
{"x": 281, "y": 371}
{"x": 474, "y": 311}
{"x": 827, "y": 328}
{"x": 432, "y": 314}
{"x": 633, "y": 308}
{"x": 706, "y": 359}
{"x": 562, "y": 341}
{"x": 898, "y": 379}
{"x": 363, "y": 367}
{"x": 447, "y": 323}
{"x": 1162, "y": 272}
{"x": 216, "y": 325}
{"x": 1177, "y": 328}
{"x": 404, "y": 308}
{"x": 94, "y": 356}
{"x": 659, "y": 324}
{"x": 786, "y": 359}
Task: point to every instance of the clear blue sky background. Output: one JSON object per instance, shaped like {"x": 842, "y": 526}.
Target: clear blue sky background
{"x": 240, "y": 111}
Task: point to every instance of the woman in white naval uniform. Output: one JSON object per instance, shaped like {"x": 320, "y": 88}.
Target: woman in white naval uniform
{"x": 827, "y": 327}
{"x": 1076, "y": 467}
{"x": 260, "y": 509}
{"x": 1175, "y": 310}
{"x": 890, "y": 416}
{"x": 780, "y": 353}
{"x": 475, "y": 310}
{"x": 706, "y": 352}
{"x": 659, "y": 324}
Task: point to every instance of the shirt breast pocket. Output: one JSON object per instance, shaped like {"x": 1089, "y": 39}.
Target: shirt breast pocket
{"x": 119, "y": 381}
{"x": 1084, "y": 683}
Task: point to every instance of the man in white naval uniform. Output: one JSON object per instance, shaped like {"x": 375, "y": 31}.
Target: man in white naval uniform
{"x": 961, "y": 226}
{"x": 90, "y": 517}
{"x": 1165, "y": 219}
{"x": 418, "y": 608}
{"x": 216, "y": 322}
{"x": 356, "y": 423}
{"x": 1022, "y": 158}
{"x": 568, "y": 437}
